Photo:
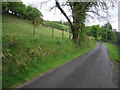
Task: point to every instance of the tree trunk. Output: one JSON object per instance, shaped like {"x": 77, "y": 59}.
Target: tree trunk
{"x": 75, "y": 29}
{"x": 75, "y": 35}
{"x": 76, "y": 22}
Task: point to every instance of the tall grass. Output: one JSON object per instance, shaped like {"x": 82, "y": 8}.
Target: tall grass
{"x": 113, "y": 51}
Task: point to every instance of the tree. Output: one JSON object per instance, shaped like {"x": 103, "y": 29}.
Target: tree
{"x": 21, "y": 10}
{"x": 79, "y": 12}
{"x": 34, "y": 16}
{"x": 94, "y": 31}
{"x": 108, "y": 33}
{"x": 32, "y": 13}
{"x": 37, "y": 21}
{"x": 16, "y": 7}
{"x": 108, "y": 26}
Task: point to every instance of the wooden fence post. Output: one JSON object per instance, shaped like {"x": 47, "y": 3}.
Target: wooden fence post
{"x": 62, "y": 33}
{"x": 52, "y": 32}
{"x": 69, "y": 35}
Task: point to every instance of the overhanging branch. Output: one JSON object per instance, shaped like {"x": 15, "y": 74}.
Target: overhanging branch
{"x": 63, "y": 12}
{"x": 96, "y": 14}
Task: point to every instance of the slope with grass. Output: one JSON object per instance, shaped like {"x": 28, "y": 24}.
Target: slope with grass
{"x": 113, "y": 51}
{"x": 25, "y": 56}
{"x": 14, "y": 26}
{"x": 57, "y": 25}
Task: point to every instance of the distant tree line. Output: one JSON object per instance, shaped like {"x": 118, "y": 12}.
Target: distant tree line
{"x": 62, "y": 22}
{"x": 57, "y": 25}
{"x": 104, "y": 33}
{"x": 26, "y": 12}
{"x": 21, "y": 10}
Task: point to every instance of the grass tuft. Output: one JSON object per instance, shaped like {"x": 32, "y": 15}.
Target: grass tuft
{"x": 113, "y": 51}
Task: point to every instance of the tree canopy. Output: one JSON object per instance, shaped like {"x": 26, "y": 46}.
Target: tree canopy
{"x": 104, "y": 33}
{"x": 81, "y": 10}
{"x": 20, "y": 9}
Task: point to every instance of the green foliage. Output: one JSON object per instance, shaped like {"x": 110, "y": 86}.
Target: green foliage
{"x": 19, "y": 9}
{"x": 12, "y": 42}
{"x": 66, "y": 23}
{"x": 104, "y": 33}
{"x": 32, "y": 13}
{"x": 5, "y": 6}
{"x": 107, "y": 26}
{"x": 38, "y": 20}
{"x": 93, "y": 31}
{"x": 85, "y": 40}
{"x": 118, "y": 37}
{"x": 57, "y": 25}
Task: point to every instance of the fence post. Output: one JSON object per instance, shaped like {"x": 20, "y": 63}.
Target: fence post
{"x": 62, "y": 33}
{"x": 52, "y": 32}
{"x": 69, "y": 35}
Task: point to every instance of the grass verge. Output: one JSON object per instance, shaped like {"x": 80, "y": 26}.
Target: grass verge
{"x": 27, "y": 57}
{"x": 113, "y": 51}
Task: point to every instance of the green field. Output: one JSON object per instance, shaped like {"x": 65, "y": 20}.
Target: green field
{"x": 57, "y": 25}
{"x": 113, "y": 51}
{"x": 25, "y": 56}
{"x": 14, "y": 26}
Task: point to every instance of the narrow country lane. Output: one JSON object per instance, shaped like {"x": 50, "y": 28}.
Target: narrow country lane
{"x": 91, "y": 70}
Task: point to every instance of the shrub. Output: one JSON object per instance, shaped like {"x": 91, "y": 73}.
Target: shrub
{"x": 12, "y": 42}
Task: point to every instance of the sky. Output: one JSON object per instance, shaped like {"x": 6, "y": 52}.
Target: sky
{"x": 55, "y": 14}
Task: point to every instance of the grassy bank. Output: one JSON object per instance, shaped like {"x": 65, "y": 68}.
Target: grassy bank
{"x": 113, "y": 51}
{"x": 32, "y": 56}
{"x": 25, "y": 56}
